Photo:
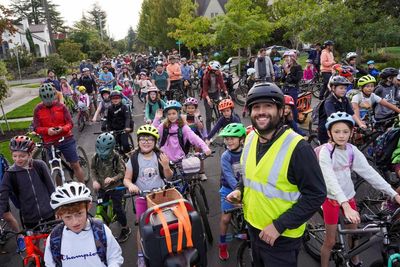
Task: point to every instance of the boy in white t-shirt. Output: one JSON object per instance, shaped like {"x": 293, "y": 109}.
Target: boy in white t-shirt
{"x": 79, "y": 241}
{"x": 366, "y": 99}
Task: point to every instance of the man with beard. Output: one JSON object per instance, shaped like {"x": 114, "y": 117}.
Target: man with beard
{"x": 281, "y": 178}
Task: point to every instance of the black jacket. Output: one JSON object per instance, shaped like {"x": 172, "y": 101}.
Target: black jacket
{"x": 32, "y": 188}
{"x": 118, "y": 117}
{"x": 88, "y": 82}
{"x": 294, "y": 76}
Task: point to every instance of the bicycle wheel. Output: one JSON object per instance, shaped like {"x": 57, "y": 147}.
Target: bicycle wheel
{"x": 130, "y": 141}
{"x": 316, "y": 89}
{"x": 81, "y": 122}
{"x": 369, "y": 200}
{"x": 244, "y": 254}
{"x": 56, "y": 177}
{"x": 240, "y": 94}
{"x": 3, "y": 235}
{"x": 199, "y": 203}
{"x": 84, "y": 162}
{"x": 314, "y": 235}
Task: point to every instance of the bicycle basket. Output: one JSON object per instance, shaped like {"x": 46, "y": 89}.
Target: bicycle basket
{"x": 82, "y": 106}
{"x": 163, "y": 196}
{"x": 191, "y": 165}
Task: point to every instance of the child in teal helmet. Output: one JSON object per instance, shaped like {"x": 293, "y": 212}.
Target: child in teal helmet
{"x": 108, "y": 170}
{"x": 231, "y": 172}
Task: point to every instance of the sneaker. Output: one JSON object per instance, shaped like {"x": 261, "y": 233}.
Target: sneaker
{"x": 124, "y": 235}
{"x": 223, "y": 252}
{"x": 351, "y": 264}
{"x": 203, "y": 177}
{"x": 20, "y": 243}
{"x": 140, "y": 261}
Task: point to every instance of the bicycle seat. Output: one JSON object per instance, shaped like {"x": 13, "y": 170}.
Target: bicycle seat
{"x": 187, "y": 258}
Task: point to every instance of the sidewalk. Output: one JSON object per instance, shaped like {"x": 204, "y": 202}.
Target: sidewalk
{"x": 18, "y": 97}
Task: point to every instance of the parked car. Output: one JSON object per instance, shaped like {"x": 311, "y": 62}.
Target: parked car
{"x": 280, "y": 49}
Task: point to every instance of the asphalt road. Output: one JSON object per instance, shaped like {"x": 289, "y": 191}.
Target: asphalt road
{"x": 87, "y": 140}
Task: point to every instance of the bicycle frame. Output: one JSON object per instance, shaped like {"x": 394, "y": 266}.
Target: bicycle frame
{"x": 33, "y": 252}
{"x": 56, "y": 164}
{"x": 105, "y": 210}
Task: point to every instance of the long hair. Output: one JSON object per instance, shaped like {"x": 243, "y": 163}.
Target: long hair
{"x": 167, "y": 123}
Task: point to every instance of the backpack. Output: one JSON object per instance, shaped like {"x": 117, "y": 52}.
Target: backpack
{"x": 13, "y": 179}
{"x": 135, "y": 166}
{"x": 100, "y": 240}
{"x": 385, "y": 145}
{"x": 3, "y": 166}
{"x": 349, "y": 149}
{"x": 317, "y": 113}
{"x": 185, "y": 146}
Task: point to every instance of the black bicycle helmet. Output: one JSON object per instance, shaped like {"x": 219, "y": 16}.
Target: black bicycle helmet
{"x": 264, "y": 92}
{"x": 388, "y": 72}
{"x": 328, "y": 42}
{"x": 339, "y": 80}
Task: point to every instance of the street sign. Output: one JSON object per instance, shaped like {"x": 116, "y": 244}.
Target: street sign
{"x": 178, "y": 42}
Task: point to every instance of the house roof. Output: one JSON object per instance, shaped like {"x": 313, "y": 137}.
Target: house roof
{"x": 203, "y": 4}
{"x": 38, "y": 38}
{"x": 37, "y": 27}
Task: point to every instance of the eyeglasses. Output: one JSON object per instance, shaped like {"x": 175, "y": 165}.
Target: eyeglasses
{"x": 146, "y": 140}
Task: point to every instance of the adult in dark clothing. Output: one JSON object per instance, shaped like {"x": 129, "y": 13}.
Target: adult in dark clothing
{"x": 139, "y": 65}
{"x": 51, "y": 78}
{"x": 315, "y": 55}
{"x": 287, "y": 192}
{"x": 335, "y": 102}
{"x": 274, "y": 52}
{"x": 293, "y": 73}
{"x": 88, "y": 81}
{"x": 264, "y": 67}
{"x": 119, "y": 118}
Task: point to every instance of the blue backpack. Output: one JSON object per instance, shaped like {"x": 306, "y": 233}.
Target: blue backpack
{"x": 100, "y": 239}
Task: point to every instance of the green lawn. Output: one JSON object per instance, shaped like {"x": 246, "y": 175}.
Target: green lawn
{"x": 6, "y": 151}
{"x": 393, "y": 50}
{"x": 31, "y": 85}
{"x": 17, "y": 125}
{"x": 25, "y": 110}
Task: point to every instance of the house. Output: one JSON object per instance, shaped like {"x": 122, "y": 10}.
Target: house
{"x": 40, "y": 37}
{"x": 211, "y": 8}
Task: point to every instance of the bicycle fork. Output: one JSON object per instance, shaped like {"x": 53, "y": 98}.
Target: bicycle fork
{"x": 55, "y": 163}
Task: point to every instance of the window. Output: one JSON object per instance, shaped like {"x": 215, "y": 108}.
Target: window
{"x": 214, "y": 14}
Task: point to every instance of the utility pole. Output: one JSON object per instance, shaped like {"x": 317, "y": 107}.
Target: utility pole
{"x": 47, "y": 13}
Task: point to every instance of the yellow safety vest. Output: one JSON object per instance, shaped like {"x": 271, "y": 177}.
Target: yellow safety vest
{"x": 267, "y": 192}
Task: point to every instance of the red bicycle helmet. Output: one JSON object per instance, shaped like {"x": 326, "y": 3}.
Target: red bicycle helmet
{"x": 226, "y": 103}
{"x": 289, "y": 100}
{"x": 22, "y": 143}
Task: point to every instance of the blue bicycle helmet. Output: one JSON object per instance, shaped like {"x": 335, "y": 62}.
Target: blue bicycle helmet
{"x": 105, "y": 144}
{"x": 172, "y": 104}
{"x": 337, "y": 117}
{"x": 369, "y": 62}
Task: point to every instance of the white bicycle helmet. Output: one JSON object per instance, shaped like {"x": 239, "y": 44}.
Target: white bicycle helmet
{"x": 338, "y": 116}
{"x": 215, "y": 65}
{"x": 351, "y": 55}
{"x": 251, "y": 71}
{"x": 69, "y": 193}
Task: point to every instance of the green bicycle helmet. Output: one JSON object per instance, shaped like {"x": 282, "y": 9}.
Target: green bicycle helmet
{"x": 46, "y": 93}
{"x": 366, "y": 80}
{"x": 148, "y": 130}
{"x": 233, "y": 130}
{"x": 105, "y": 144}
{"x": 118, "y": 88}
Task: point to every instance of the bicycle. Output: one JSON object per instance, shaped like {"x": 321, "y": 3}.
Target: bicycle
{"x": 82, "y": 117}
{"x": 380, "y": 225}
{"x": 118, "y": 146}
{"x": 4, "y": 233}
{"x": 240, "y": 231}
{"x": 104, "y": 209}
{"x": 215, "y": 114}
{"x": 240, "y": 92}
{"x": 313, "y": 86}
{"x": 35, "y": 241}
{"x": 57, "y": 163}
{"x": 188, "y": 183}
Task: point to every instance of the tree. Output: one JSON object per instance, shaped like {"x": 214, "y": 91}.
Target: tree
{"x": 5, "y": 22}
{"x": 130, "y": 39}
{"x": 56, "y": 63}
{"x": 34, "y": 11}
{"x": 83, "y": 32}
{"x": 98, "y": 18}
{"x": 193, "y": 31}
{"x": 242, "y": 26}
{"x": 71, "y": 51}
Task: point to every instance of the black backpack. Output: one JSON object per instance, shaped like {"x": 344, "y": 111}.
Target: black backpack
{"x": 135, "y": 166}
{"x": 185, "y": 146}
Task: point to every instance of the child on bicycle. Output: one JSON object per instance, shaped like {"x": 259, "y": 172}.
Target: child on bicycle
{"x": 154, "y": 103}
{"x": 30, "y": 182}
{"x": 226, "y": 107}
{"x": 102, "y": 107}
{"x": 79, "y": 240}
{"x": 338, "y": 159}
{"x": 143, "y": 84}
{"x": 231, "y": 172}
{"x": 83, "y": 102}
{"x": 127, "y": 90}
{"x": 146, "y": 170}
{"x": 118, "y": 119}
{"x": 174, "y": 133}
{"x": 108, "y": 171}
{"x": 288, "y": 115}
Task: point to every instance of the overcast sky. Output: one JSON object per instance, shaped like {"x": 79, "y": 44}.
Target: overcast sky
{"x": 121, "y": 14}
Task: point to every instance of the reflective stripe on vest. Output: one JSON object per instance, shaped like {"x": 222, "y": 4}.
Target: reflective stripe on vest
{"x": 266, "y": 183}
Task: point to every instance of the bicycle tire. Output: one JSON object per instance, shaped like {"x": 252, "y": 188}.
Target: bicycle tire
{"x": 379, "y": 263}
{"x": 131, "y": 143}
{"x": 57, "y": 178}
{"x": 200, "y": 206}
{"x": 81, "y": 122}
{"x": 240, "y": 95}
{"x": 314, "y": 235}
{"x": 313, "y": 141}
{"x": 4, "y": 237}
{"x": 84, "y": 162}
{"x": 316, "y": 89}
{"x": 244, "y": 254}
{"x": 368, "y": 198}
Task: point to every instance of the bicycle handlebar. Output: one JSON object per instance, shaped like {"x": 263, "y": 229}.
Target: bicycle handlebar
{"x": 43, "y": 225}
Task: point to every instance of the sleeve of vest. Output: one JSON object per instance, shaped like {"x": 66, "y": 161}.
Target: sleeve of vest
{"x": 310, "y": 182}
{"x": 114, "y": 252}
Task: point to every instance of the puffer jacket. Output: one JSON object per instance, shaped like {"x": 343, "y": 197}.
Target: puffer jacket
{"x": 32, "y": 188}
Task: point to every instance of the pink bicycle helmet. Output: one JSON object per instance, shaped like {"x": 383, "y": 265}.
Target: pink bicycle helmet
{"x": 191, "y": 101}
